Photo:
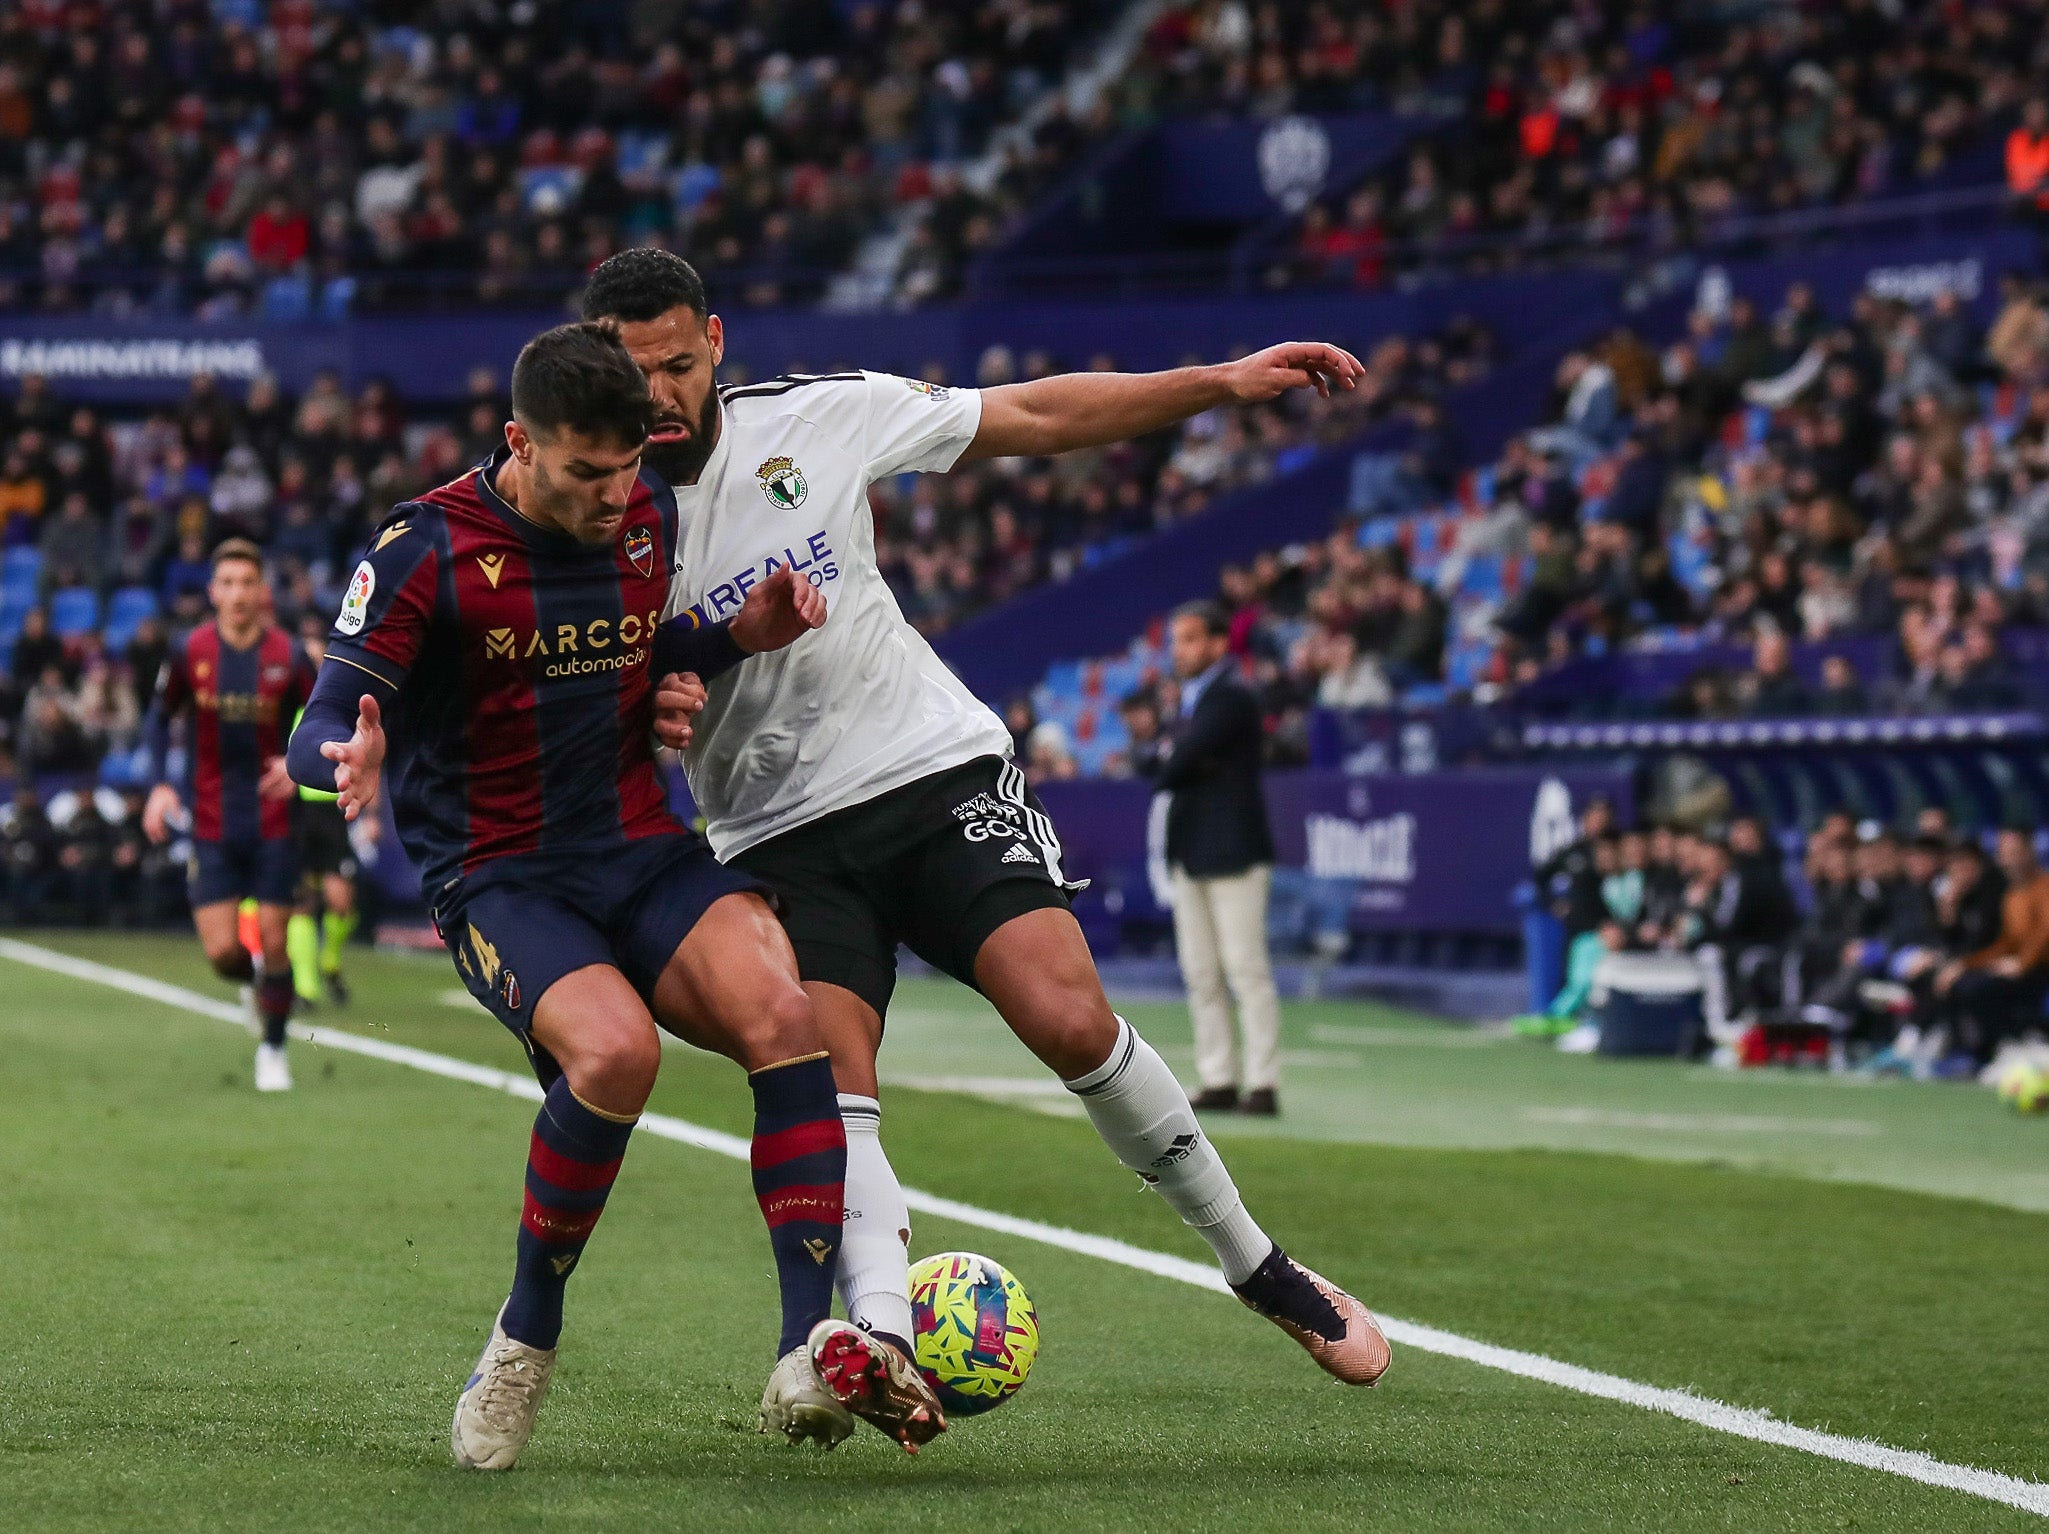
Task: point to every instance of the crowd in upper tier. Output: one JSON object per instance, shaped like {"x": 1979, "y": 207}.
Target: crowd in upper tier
{"x": 1570, "y": 126}
{"x": 300, "y": 156}
{"x": 1779, "y": 480}
{"x": 182, "y": 157}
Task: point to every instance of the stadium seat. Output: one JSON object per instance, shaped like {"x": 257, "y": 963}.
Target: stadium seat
{"x": 125, "y": 612}
{"x": 74, "y": 611}
{"x": 287, "y": 300}
{"x": 337, "y": 298}
{"x": 19, "y": 567}
{"x": 546, "y": 189}
{"x": 692, "y": 184}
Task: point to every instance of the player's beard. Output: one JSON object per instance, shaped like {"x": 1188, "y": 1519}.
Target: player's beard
{"x": 679, "y": 463}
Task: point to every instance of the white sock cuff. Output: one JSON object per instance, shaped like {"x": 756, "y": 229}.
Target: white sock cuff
{"x": 861, "y": 1115}
{"x": 1111, "y": 1070}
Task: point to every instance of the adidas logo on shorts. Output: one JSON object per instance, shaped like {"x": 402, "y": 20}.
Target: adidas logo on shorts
{"x": 1020, "y": 853}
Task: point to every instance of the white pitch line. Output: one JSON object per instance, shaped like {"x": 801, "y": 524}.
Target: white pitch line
{"x": 1739, "y": 1421}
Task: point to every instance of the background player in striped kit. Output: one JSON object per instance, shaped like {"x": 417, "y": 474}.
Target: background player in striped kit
{"x": 241, "y": 680}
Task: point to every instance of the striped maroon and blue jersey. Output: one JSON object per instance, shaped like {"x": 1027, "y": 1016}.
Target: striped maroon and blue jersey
{"x": 242, "y": 704}
{"x": 522, "y": 662}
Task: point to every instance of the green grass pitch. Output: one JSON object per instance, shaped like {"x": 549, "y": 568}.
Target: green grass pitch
{"x": 233, "y": 1312}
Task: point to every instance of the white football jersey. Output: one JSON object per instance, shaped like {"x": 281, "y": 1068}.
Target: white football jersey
{"x": 862, "y": 705}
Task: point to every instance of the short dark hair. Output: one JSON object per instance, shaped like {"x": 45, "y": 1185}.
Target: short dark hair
{"x": 580, "y": 377}
{"x": 643, "y": 284}
{"x": 237, "y": 548}
{"x": 1211, "y": 615}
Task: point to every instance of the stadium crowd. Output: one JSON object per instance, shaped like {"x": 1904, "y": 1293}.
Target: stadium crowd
{"x": 1916, "y": 950}
{"x": 1770, "y": 482}
{"x": 951, "y": 547}
{"x": 1603, "y": 126}
{"x": 176, "y": 159}
{"x": 301, "y": 157}
{"x": 1580, "y": 126}
{"x": 105, "y": 526}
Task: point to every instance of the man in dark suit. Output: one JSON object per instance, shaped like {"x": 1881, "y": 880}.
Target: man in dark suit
{"x": 1220, "y": 853}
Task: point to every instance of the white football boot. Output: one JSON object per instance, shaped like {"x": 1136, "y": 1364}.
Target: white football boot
{"x": 494, "y": 1415}
{"x": 273, "y": 1070}
{"x": 797, "y": 1404}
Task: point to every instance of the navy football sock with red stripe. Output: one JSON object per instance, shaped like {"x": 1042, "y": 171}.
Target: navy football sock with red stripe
{"x": 274, "y": 1005}
{"x": 800, "y": 1178}
{"x": 571, "y": 1164}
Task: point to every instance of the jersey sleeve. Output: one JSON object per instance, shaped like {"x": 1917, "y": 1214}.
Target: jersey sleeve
{"x": 390, "y": 601}
{"x": 173, "y": 695}
{"x": 914, "y": 425}
{"x": 300, "y": 687}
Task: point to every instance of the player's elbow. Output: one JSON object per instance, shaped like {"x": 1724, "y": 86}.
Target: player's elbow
{"x": 303, "y": 758}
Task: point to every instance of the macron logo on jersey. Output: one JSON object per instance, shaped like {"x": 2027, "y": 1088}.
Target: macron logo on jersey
{"x": 816, "y": 562}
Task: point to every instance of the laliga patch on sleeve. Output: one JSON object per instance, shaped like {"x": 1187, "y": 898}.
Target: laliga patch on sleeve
{"x": 355, "y": 608}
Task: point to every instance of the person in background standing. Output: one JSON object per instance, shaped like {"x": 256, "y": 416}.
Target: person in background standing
{"x": 1220, "y": 850}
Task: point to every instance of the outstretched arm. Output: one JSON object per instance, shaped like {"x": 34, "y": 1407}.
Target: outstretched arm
{"x": 1071, "y": 410}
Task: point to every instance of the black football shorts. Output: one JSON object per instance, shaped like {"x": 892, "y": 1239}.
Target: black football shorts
{"x": 936, "y": 865}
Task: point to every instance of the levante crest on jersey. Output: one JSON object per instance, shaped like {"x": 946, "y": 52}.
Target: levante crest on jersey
{"x": 783, "y": 483}
{"x": 640, "y": 548}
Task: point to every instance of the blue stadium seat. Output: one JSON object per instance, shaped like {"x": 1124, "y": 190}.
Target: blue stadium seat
{"x": 125, "y": 612}
{"x": 549, "y": 188}
{"x": 337, "y": 298}
{"x": 642, "y": 154}
{"x": 1483, "y": 578}
{"x": 74, "y": 611}
{"x": 288, "y": 300}
{"x": 692, "y": 184}
{"x": 19, "y": 567}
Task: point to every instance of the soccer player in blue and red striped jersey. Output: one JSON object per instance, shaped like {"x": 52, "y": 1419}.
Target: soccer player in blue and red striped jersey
{"x": 508, "y": 624}
{"x": 241, "y": 679}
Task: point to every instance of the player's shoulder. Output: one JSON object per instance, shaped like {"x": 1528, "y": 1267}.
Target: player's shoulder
{"x": 419, "y": 526}
{"x": 817, "y": 397}
{"x": 203, "y": 638}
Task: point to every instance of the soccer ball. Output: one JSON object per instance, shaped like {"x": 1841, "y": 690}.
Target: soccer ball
{"x": 977, "y": 1331}
{"x": 2024, "y": 1086}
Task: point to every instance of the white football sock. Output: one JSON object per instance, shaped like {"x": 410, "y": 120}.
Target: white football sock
{"x": 1143, "y": 1115}
{"x": 875, "y": 1266}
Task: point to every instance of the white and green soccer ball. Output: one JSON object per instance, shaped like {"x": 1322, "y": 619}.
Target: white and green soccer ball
{"x": 977, "y": 1331}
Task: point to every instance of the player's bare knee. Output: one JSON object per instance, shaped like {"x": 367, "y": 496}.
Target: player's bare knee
{"x": 230, "y": 961}
{"x": 1068, "y": 1025}
{"x": 615, "y": 1068}
{"x": 784, "y": 1028}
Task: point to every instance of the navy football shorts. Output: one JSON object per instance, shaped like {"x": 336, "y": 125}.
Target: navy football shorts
{"x": 246, "y": 868}
{"x": 519, "y": 924}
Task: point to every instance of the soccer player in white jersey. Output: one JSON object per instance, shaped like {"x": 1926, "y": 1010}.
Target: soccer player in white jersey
{"x": 857, "y": 777}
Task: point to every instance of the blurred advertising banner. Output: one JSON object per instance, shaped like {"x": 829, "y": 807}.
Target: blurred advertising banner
{"x": 1433, "y": 851}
